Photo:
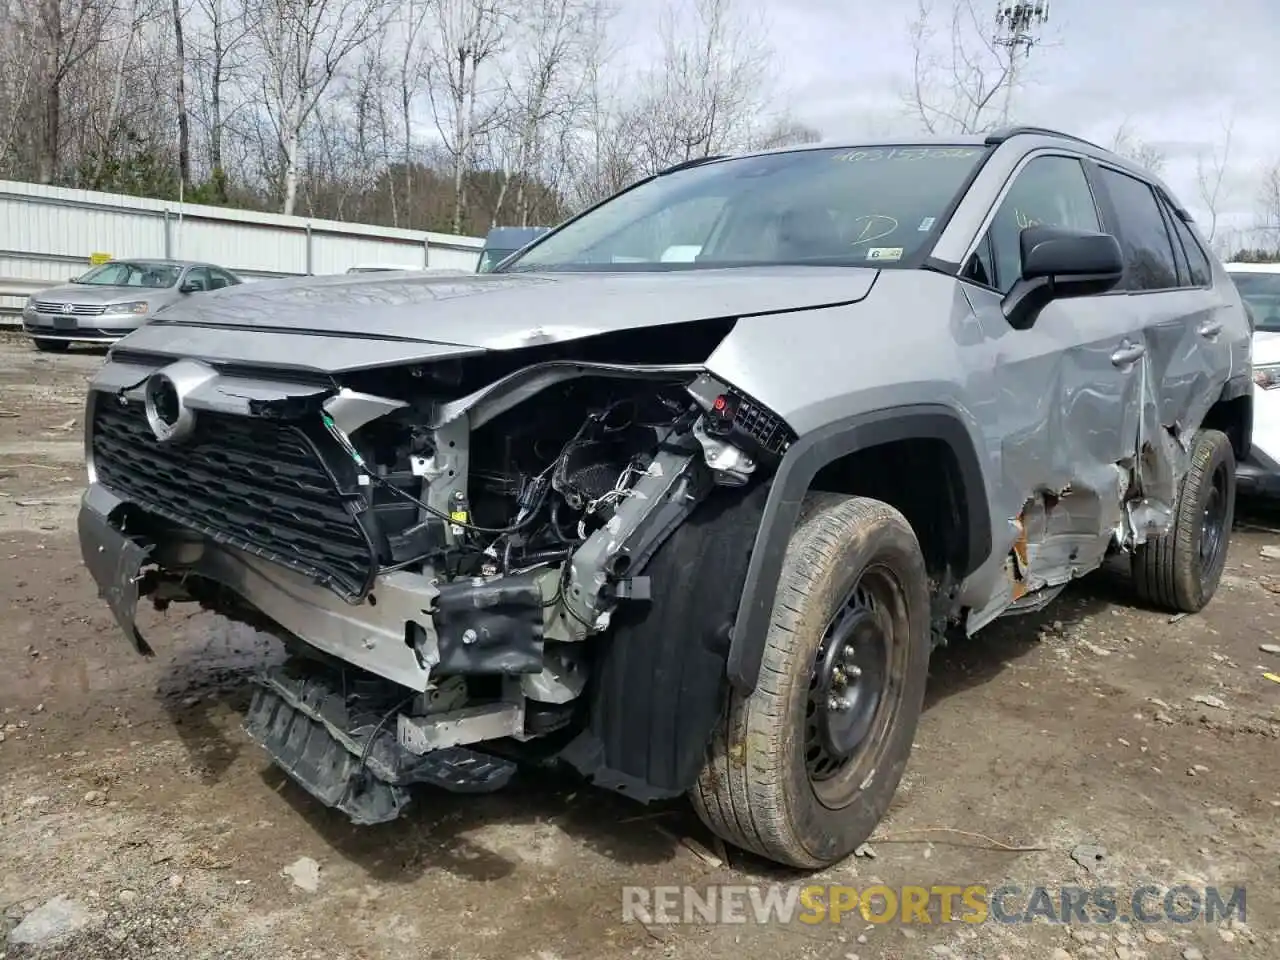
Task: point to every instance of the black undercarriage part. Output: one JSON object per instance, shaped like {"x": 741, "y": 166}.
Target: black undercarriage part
{"x": 333, "y": 732}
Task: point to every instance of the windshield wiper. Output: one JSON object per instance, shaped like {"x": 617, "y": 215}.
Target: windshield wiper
{"x": 695, "y": 162}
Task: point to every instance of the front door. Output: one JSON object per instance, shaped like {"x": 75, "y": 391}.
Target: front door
{"x": 1065, "y": 393}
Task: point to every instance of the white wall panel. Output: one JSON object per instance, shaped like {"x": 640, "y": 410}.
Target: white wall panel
{"x": 48, "y": 233}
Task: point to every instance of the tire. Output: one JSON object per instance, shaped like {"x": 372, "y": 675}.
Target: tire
{"x": 1180, "y": 570}
{"x": 761, "y": 787}
{"x": 51, "y": 346}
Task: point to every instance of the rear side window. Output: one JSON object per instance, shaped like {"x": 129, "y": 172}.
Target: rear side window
{"x": 1197, "y": 261}
{"x": 1148, "y": 251}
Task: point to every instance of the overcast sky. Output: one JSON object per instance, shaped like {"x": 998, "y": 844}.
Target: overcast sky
{"x": 1176, "y": 70}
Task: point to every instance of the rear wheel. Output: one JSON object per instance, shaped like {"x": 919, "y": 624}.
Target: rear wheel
{"x": 803, "y": 768}
{"x": 1180, "y": 571}
{"x": 51, "y": 346}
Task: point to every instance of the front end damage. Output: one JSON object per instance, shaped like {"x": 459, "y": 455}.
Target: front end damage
{"x": 474, "y": 561}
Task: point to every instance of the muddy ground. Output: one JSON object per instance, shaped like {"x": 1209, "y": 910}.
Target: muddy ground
{"x": 128, "y": 788}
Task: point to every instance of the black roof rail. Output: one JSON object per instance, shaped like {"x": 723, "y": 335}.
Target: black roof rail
{"x": 695, "y": 162}
{"x": 997, "y": 137}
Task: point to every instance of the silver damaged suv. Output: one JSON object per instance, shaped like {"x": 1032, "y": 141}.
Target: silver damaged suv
{"x": 684, "y": 495}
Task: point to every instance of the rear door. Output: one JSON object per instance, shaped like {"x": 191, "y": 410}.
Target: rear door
{"x": 1186, "y": 358}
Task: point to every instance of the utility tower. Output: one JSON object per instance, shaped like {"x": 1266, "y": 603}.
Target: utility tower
{"x": 1017, "y": 30}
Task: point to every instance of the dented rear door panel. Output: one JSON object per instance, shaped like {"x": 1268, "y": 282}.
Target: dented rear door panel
{"x": 1188, "y": 359}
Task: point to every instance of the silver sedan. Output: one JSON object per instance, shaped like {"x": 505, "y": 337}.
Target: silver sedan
{"x": 114, "y": 299}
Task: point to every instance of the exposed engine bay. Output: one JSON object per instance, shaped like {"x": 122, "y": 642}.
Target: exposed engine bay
{"x": 435, "y": 552}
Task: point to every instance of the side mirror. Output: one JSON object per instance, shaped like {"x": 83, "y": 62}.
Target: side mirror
{"x": 73, "y": 279}
{"x": 1059, "y": 263}
{"x": 191, "y": 286}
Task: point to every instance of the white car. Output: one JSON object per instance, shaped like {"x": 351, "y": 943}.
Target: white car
{"x": 1259, "y": 286}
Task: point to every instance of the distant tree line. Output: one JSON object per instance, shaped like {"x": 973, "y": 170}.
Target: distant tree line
{"x": 450, "y": 115}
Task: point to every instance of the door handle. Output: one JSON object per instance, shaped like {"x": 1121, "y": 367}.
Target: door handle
{"x": 1128, "y": 354}
{"x": 1210, "y": 328}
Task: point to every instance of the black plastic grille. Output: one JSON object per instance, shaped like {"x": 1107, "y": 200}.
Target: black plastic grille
{"x": 255, "y": 484}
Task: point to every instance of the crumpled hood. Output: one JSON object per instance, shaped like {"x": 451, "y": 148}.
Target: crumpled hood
{"x": 503, "y": 311}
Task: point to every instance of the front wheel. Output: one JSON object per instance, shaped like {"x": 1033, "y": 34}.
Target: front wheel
{"x": 803, "y": 768}
{"x": 1180, "y": 571}
{"x": 51, "y": 346}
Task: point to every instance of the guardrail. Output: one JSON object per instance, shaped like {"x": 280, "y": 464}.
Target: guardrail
{"x": 19, "y": 289}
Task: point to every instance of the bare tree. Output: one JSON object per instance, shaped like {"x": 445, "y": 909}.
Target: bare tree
{"x": 319, "y": 104}
{"x": 303, "y": 45}
{"x": 469, "y": 37}
{"x": 710, "y": 85}
{"x": 18, "y": 81}
{"x": 1210, "y": 173}
{"x": 411, "y": 72}
{"x": 69, "y": 31}
{"x": 1129, "y": 145}
{"x": 963, "y": 80}
{"x": 1268, "y": 227}
{"x": 122, "y": 46}
{"x": 180, "y": 78}
{"x": 785, "y": 132}
{"x": 600, "y": 157}
{"x": 223, "y": 26}
{"x": 552, "y": 42}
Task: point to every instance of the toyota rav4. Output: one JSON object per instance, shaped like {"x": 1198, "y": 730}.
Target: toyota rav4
{"x": 683, "y": 497}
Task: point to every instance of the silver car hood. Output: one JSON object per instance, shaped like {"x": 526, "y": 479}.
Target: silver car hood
{"x": 98, "y": 293}
{"x": 508, "y": 311}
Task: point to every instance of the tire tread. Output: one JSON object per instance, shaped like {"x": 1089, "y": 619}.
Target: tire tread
{"x": 745, "y": 802}
{"x": 1165, "y": 570}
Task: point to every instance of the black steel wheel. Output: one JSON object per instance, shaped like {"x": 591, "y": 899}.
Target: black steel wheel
{"x": 850, "y": 688}
{"x": 1213, "y": 518}
{"x": 805, "y": 765}
{"x": 1180, "y": 570}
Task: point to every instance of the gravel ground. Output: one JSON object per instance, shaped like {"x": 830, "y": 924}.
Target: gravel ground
{"x": 137, "y": 820}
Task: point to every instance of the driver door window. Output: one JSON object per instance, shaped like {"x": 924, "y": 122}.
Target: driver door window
{"x": 197, "y": 277}
{"x": 1049, "y": 191}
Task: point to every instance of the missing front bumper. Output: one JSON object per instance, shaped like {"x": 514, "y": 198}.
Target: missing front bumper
{"x": 115, "y": 562}
{"x": 335, "y": 736}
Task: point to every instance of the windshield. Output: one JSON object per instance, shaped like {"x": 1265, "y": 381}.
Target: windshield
{"x": 125, "y": 273}
{"x": 491, "y": 258}
{"x": 1261, "y": 291}
{"x": 839, "y": 207}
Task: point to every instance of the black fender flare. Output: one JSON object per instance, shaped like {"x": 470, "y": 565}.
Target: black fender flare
{"x": 803, "y": 459}
{"x": 1241, "y": 385}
